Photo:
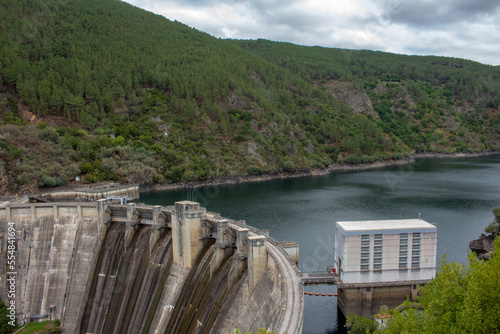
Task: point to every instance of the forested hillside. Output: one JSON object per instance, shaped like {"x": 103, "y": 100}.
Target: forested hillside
{"x": 107, "y": 91}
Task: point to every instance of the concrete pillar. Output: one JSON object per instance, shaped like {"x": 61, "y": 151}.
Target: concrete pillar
{"x": 242, "y": 240}
{"x": 413, "y": 292}
{"x": 33, "y": 213}
{"x": 217, "y": 258}
{"x": 56, "y": 212}
{"x": 240, "y": 259}
{"x": 158, "y": 223}
{"x": 132, "y": 219}
{"x": 220, "y": 250}
{"x": 8, "y": 214}
{"x": 102, "y": 215}
{"x": 257, "y": 260}
{"x": 367, "y": 301}
{"x": 186, "y": 232}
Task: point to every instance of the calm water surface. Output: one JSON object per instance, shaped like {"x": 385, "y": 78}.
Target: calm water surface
{"x": 456, "y": 195}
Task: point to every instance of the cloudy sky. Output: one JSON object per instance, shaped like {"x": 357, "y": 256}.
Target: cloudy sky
{"x": 459, "y": 28}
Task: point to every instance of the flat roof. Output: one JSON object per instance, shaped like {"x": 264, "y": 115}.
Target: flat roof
{"x": 396, "y": 224}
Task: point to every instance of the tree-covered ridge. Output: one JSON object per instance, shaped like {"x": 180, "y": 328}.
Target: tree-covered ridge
{"x": 430, "y": 103}
{"x": 111, "y": 92}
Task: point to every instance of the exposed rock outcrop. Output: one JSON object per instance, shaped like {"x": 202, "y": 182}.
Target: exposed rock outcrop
{"x": 483, "y": 247}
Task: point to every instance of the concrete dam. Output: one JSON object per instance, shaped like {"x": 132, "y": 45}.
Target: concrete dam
{"x": 102, "y": 267}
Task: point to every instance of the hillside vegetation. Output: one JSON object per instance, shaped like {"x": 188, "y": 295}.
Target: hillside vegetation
{"x": 108, "y": 91}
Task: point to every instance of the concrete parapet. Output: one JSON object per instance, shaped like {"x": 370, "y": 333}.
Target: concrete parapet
{"x": 57, "y": 210}
{"x": 257, "y": 259}
{"x": 292, "y": 248}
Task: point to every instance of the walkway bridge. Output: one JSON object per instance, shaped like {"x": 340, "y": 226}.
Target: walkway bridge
{"x": 320, "y": 278}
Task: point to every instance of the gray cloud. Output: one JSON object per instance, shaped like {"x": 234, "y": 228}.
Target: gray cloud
{"x": 427, "y": 13}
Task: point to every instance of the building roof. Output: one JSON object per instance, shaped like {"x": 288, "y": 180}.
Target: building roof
{"x": 382, "y": 316}
{"x": 386, "y": 225}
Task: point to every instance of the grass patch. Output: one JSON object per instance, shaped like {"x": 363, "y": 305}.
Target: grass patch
{"x": 44, "y": 327}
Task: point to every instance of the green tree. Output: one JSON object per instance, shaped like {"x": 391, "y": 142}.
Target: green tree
{"x": 462, "y": 298}
{"x": 359, "y": 324}
{"x": 5, "y": 328}
{"x": 260, "y": 331}
{"x": 494, "y": 227}
{"x": 411, "y": 320}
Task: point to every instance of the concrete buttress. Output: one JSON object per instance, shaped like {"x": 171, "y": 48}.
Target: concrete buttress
{"x": 158, "y": 223}
{"x": 103, "y": 215}
{"x": 186, "y": 232}
{"x": 132, "y": 221}
{"x": 221, "y": 249}
{"x": 257, "y": 260}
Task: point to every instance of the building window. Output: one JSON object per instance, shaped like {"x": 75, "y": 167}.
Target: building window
{"x": 415, "y": 253}
{"x": 403, "y": 251}
{"x": 365, "y": 252}
{"x": 377, "y": 251}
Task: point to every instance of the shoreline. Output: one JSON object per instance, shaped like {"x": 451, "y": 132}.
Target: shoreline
{"x": 241, "y": 179}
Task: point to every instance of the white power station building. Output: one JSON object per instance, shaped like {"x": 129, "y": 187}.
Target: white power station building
{"x": 385, "y": 250}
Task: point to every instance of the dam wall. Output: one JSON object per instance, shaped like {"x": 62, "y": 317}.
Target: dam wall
{"x": 107, "y": 268}
{"x": 55, "y": 256}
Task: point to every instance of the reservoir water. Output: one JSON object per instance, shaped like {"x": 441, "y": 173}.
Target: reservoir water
{"x": 456, "y": 195}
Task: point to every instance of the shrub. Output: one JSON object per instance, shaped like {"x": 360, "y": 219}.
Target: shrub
{"x": 289, "y": 166}
{"x": 254, "y": 170}
{"x": 85, "y": 168}
{"x": 48, "y": 181}
{"x": 175, "y": 174}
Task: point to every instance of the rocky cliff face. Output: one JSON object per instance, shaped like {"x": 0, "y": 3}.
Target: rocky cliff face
{"x": 483, "y": 246}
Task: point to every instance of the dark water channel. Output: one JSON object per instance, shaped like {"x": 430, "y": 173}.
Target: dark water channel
{"x": 456, "y": 195}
